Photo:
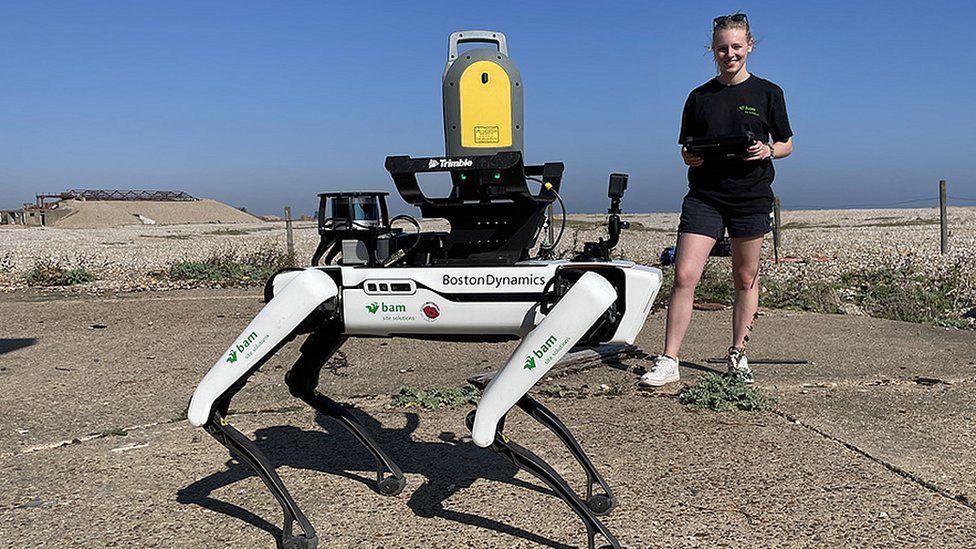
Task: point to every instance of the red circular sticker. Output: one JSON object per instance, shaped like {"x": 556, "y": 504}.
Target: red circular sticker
{"x": 431, "y": 311}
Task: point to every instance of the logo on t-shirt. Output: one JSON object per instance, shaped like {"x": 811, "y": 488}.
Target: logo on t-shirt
{"x": 746, "y": 109}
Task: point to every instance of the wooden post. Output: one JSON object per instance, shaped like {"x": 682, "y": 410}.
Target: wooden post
{"x": 289, "y": 237}
{"x": 943, "y": 217}
{"x": 776, "y": 226}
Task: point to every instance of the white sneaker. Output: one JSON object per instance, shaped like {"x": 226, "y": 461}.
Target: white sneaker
{"x": 739, "y": 365}
{"x": 663, "y": 370}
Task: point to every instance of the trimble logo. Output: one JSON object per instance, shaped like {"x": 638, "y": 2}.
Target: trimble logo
{"x": 449, "y": 163}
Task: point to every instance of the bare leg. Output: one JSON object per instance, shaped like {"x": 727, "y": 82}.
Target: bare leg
{"x": 693, "y": 252}
{"x": 745, "y": 275}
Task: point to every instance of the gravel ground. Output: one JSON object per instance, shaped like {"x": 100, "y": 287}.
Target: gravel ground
{"x": 817, "y": 245}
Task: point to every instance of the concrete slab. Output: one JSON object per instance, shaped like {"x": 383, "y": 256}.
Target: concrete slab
{"x": 684, "y": 479}
{"x": 927, "y": 431}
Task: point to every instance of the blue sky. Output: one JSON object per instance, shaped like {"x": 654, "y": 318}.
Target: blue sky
{"x": 266, "y": 104}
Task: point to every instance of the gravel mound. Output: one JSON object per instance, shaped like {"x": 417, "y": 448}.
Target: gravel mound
{"x": 99, "y": 214}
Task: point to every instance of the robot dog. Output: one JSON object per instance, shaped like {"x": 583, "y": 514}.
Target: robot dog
{"x": 477, "y": 282}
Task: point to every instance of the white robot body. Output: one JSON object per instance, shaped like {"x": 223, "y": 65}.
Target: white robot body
{"x": 489, "y": 300}
{"x": 439, "y": 302}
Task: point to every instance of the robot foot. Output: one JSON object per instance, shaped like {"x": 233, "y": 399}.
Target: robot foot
{"x": 528, "y": 461}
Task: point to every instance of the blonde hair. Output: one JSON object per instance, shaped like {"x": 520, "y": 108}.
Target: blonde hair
{"x": 729, "y": 24}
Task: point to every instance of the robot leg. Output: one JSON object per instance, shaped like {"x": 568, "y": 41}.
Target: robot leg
{"x": 570, "y": 319}
{"x": 302, "y": 380}
{"x": 270, "y": 330}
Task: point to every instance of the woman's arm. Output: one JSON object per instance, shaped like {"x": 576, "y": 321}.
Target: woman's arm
{"x": 782, "y": 149}
{"x": 765, "y": 151}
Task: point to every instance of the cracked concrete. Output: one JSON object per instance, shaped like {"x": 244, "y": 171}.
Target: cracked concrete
{"x": 858, "y": 453}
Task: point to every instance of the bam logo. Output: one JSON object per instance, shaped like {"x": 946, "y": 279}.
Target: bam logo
{"x": 240, "y": 347}
{"x": 749, "y": 110}
{"x": 383, "y": 307}
{"x": 547, "y": 345}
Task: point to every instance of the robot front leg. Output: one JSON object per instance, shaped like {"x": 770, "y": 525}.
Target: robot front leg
{"x": 575, "y": 314}
{"x": 310, "y": 296}
{"x": 271, "y": 329}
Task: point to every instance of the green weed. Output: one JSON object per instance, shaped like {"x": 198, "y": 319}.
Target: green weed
{"x": 229, "y": 232}
{"x": 906, "y": 294}
{"x": 798, "y": 293}
{"x": 51, "y": 272}
{"x": 715, "y": 286}
{"x": 228, "y": 265}
{"x": 723, "y": 393}
{"x": 433, "y": 399}
{"x": 114, "y": 432}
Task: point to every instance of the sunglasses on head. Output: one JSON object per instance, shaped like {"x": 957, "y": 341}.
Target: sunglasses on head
{"x": 735, "y": 17}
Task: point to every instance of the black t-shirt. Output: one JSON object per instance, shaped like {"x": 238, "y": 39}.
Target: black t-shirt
{"x": 713, "y": 110}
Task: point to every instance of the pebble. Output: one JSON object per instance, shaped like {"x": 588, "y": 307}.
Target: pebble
{"x": 822, "y": 245}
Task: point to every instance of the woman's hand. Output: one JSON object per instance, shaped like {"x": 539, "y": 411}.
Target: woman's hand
{"x": 690, "y": 158}
{"x": 759, "y": 151}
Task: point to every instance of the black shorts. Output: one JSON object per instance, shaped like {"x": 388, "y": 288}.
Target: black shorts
{"x": 698, "y": 217}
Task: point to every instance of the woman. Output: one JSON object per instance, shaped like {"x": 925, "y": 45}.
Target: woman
{"x": 733, "y": 195}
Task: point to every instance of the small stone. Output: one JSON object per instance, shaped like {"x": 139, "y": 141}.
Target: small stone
{"x": 36, "y": 503}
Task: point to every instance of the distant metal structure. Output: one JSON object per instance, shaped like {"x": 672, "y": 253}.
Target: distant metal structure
{"x": 41, "y": 201}
{"x": 128, "y": 195}
{"x": 47, "y": 207}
